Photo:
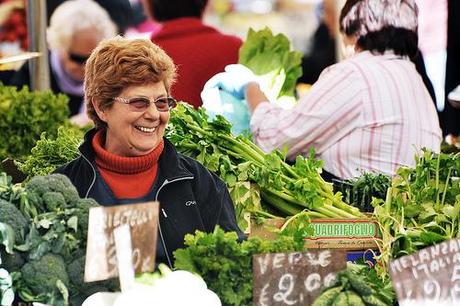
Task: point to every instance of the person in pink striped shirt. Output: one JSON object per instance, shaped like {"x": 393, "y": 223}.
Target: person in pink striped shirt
{"x": 368, "y": 113}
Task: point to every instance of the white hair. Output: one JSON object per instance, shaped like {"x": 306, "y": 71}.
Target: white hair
{"x": 374, "y": 15}
{"x": 76, "y": 15}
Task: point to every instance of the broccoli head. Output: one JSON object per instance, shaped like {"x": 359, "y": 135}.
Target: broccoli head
{"x": 38, "y": 186}
{"x": 87, "y": 203}
{"x": 40, "y": 275}
{"x": 83, "y": 206}
{"x": 54, "y": 201}
{"x": 12, "y": 216}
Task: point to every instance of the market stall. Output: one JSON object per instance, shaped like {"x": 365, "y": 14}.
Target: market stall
{"x": 278, "y": 219}
{"x": 371, "y": 240}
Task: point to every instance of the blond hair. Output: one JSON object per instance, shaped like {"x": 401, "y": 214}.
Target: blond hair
{"x": 119, "y": 62}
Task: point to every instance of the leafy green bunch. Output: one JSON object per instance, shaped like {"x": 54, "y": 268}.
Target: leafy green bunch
{"x": 422, "y": 206}
{"x": 51, "y": 152}
{"x": 289, "y": 189}
{"x": 24, "y": 115}
{"x": 357, "y": 285}
{"x": 277, "y": 67}
{"x": 226, "y": 264}
{"x": 360, "y": 191}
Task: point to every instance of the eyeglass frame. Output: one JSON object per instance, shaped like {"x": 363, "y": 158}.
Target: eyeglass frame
{"x": 171, "y": 102}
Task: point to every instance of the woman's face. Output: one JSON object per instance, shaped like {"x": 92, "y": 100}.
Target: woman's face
{"x": 73, "y": 61}
{"x": 133, "y": 132}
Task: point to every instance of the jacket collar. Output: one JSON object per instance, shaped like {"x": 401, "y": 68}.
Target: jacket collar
{"x": 169, "y": 164}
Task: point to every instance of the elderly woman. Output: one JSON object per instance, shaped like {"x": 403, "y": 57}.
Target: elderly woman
{"x": 125, "y": 159}
{"x": 370, "y": 112}
{"x": 76, "y": 27}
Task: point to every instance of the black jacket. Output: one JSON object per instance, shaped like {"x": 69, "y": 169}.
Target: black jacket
{"x": 191, "y": 197}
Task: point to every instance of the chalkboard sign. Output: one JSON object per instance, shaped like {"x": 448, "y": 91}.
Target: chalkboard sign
{"x": 101, "y": 256}
{"x": 428, "y": 277}
{"x": 294, "y": 278}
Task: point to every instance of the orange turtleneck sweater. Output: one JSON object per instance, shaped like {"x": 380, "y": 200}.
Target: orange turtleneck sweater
{"x": 127, "y": 177}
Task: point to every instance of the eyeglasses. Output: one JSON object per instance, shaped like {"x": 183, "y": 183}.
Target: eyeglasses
{"x": 79, "y": 59}
{"x": 141, "y": 104}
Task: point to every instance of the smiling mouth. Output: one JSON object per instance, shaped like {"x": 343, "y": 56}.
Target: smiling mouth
{"x": 145, "y": 129}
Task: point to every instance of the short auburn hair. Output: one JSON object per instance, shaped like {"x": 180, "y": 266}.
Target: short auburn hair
{"x": 117, "y": 63}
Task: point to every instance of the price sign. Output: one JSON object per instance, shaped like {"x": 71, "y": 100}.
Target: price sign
{"x": 428, "y": 277}
{"x": 294, "y": 278}
{"x": 101, "y": 255}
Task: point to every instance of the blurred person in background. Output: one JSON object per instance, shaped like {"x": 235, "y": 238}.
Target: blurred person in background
{"x": 120, "y": 11}
{"x": 323, "y": 51}
{"x": 142, "y": 25}
{"x": 198, "y": 50}
{"x": 451, "y": 115}
{"x": 432, "y": 31}
{"x": 76, "y": 27}
{"x": 125, "y": 158}
{"x": 368, "y": 113}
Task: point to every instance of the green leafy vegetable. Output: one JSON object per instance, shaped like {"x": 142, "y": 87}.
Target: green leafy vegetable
{"x": 57, "y": 219}
{"x": 24, "y": 115}
{"x": 288, "y": 189}
{"x": 421, "y": 207}
{"x": 226, "y": 264}
{"x": 51, "y": 152}
{"x": 357, "y": 285}
{"x": 270, "y": 58}
{"x": 360, "y": 191}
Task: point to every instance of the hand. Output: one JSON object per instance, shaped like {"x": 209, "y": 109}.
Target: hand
{"x": 234, "y": 80}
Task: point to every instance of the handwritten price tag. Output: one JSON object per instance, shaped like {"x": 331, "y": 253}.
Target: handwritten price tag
{"x": 101, "y": 256}
{"x": 428, "y": 277}
{"x": 294, "y": 278}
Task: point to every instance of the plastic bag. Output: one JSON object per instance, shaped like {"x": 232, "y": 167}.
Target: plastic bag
{"x": 236, "y": 111}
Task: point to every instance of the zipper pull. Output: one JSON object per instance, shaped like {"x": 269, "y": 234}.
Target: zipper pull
{"x": 164, "y": 213}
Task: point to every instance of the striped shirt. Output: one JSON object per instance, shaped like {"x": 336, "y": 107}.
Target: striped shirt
{"x": 369, "y": 113}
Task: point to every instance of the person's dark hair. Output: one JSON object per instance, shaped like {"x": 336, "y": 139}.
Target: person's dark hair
{"x": 355, "y": 24}
{"x": 164, "y": 10}
{"x": 119, "y": 11}
{"x": 401, "y": 41}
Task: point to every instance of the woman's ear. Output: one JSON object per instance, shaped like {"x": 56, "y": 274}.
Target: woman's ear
{"x": 348, "y": 46}
{"x": 101, "y": 113}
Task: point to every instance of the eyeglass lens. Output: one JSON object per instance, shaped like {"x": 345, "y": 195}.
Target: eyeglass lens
{"x": 141, "y": 104}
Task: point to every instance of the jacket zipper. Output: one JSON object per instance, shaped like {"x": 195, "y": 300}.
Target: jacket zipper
{"x": 94, "y": 175}
{"x": 166, "y": 182}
